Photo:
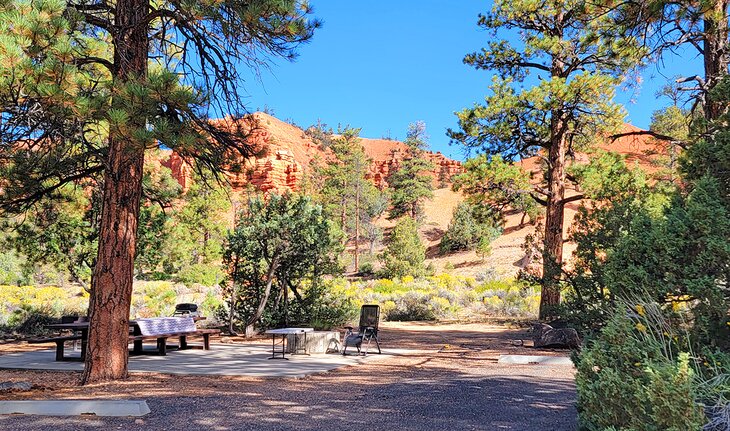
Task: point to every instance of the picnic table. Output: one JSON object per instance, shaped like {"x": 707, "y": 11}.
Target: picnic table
{"x": 81, "y": 332}
{"x": 284, "y": 332}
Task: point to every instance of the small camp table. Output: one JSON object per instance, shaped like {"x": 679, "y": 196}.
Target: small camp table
{"x": 284, "y": 332}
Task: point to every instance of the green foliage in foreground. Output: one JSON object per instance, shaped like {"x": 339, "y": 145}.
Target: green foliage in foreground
{"x": 633, "y": 376}
{"x": 673, "y": 258}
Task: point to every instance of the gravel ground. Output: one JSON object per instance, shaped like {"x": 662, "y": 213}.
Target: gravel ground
{"x": 451, "y": 381}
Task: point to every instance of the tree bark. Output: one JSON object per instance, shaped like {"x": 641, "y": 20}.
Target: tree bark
{"x": 111, "y": 285}
{"x": 357, "y": 226}
{"x": 343, "y": 211}
{"x": 262, "y": 304}
{"x": 553, "y": 254}
{"x": 552, "y": 259}
{"x": 715, "y": 54}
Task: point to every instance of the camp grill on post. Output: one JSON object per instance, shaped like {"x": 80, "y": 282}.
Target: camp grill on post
{"x": 186, "y": 310}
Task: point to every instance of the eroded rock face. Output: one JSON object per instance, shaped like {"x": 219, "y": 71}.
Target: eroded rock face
{"x": 284, "y": 151}
{"x": 279, "y": 173}
{"x": 444, "y": 169}
{"x": 180, "y": 170}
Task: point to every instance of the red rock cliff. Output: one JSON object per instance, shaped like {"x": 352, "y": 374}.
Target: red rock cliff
{"x": 285, "y": 151}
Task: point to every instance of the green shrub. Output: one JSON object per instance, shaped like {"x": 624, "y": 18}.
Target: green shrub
{"x": 28, "y": 320}
{"x": 366, "y": 268}
{"x": 53, "y": 299}
{"x": 412, "y": 306}
{"x": 208, "y": 306}
{"x": 325, "y": 305}
{"x": 405, "y": 253}
{"x": 632, "y": 378}
{"x": 200, "y": 273}
{"x": 153, "y": 299}
{"x": 12, "y": 269}
{"x": 447, "y": 296}
{"x": 466, "y": 232}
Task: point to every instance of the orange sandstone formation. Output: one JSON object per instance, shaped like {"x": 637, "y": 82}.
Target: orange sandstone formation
{"x": 284, "y": 152}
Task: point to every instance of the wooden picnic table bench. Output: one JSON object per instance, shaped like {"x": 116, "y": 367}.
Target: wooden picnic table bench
{"x": 60, "y": 341}
{"x": 161, "y": 340}
{"x": 136, "y": 336}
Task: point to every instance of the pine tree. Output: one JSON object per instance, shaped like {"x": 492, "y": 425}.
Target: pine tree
{"x": 405, "y": 253}
{"x": 467, "y": 232}
{"x": 86, "y": 87}
{"x": 410, "y": 184}
{"x": 578, "y": 59}
{"x": 202, "y": 221}
{"x": 349, "y": 198}
{"x": 493, "y": 187}
{"x": 667, "y": 28}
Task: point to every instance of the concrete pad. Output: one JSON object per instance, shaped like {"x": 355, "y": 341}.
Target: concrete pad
{"x": 223, "y": 359}
{"x": 76, "y": 407}
{"x": 534, "y": 359}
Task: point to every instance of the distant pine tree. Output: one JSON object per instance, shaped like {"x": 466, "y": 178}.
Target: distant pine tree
{"x": 410, "y": 184}
{"x": 405, "y": 254}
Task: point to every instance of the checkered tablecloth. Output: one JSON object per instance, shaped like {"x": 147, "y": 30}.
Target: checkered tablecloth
{"x": 165, "y": 325}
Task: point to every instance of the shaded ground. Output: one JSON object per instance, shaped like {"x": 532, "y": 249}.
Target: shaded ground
{"x": 450, "y": 381}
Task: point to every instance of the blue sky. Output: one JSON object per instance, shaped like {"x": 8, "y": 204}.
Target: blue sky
{"x": 381, "y": 65}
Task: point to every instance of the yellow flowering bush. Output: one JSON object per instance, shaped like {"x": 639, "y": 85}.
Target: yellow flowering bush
{"x": 55, "y": 300}
{"x": 448, "y": 296}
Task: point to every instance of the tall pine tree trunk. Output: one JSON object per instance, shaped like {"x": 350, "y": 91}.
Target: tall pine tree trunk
{"x": 553, "y": 253}
{"x": 111, "y": 286}
{"x": 715, "y": 54}
{"x": 357, "y": 227}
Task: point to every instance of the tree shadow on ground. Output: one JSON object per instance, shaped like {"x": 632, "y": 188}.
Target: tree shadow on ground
{"x": 424, "y": 401}
{"x": 433, "y": 251}
{"x": 454, "y": 385}
{"x": 469, "y": 263}
{"x": 434, "y": 234}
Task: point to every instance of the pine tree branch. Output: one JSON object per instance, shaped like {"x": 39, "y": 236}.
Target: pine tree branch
{"x": 97, "y": 21}
{"x": 96, "y": 60}
{"x": 572, "y": 199}
{"x": 23, "y": 203}
{"x": 660, "y": 136}
{"x": 539, "y": 200}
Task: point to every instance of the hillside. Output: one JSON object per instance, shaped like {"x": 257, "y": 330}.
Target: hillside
{"x": 507, "y": 256}
{"x": 286, "y": 152}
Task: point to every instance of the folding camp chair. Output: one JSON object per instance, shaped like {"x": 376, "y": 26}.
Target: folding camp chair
{"x": 367, "y": 330}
